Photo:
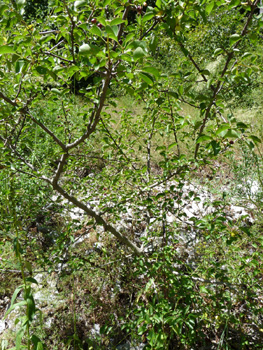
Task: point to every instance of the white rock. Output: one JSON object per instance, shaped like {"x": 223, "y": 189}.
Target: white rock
{"x": 2, "y": 326}
{"x": 96, "y": 329}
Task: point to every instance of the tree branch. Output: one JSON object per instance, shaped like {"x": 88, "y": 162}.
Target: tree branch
{"x": 17, "y": 154}
{"x": 174, "y": 130}
{"x": 60, "y": 42}
{"x": 119, "y": 148}
{"x": 149, "y": 29}
{"x": 98, "y": 218}
{"x": 71, "y": 30}
{"x": 187, "y": 54}
{"x": 95, "y": 116}
{"x": 47, "y": 130}
{"x": 61, "y": 58}
{"x": 121, "y": 27}
{"x": 147, "y": 189}
{"x": 8, "y": 100}
{"x": 25, "y": 111}
{"x": 49, "y": 32}
{"x": 220, "y": 84}
{"x": 61, "y": 164}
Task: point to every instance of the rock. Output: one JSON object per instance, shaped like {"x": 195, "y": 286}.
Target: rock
{"x": 95, "y": 331}
{"x": 2, "y": 326}
{"x": 128, "y": 346}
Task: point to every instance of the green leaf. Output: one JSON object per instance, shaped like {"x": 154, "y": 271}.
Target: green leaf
{"x": 137, "y": 43}
{"x": 216, "y": 147}
{"x": 208, "y": 83}
{"x": 19, "y": 66}
{"x": 203, "y": 138}
{"x": 88, "y": 50}
{"x": 254, "y": 138}
{"x": 52, "y": 74}
{"x": 172, "y": 145}
{"x": 96, "y": 31}
{"x": 102, "y": 20}
{"x": 138, "y": 53}
{"x": 21, "y": 303}
{"x": 39, "y": 346}
{"x": 41, "y": 70}
{"x": 18, "y": 289}
{"x": 3, "y": 8}
{"x": 45, "y": 38}
{"x": 181, "y": 89}
{"x": 85, "y": 49}
{"x": 15, "y": 57}
{"x": 32, "y": 280}
{"x": 247, "y": 54}
{"x": 209, "y": 7}
{"x": 234, "y": 38}
{"x": 233, "y": 134}
{"x": 173, "y": 93}
{"x": 203, "y": 289}
{"x": 242, "y": 125}
{"x": 58, "y": 68}
{"x": 146, "y": 78}
{"x": 116, "y": 21}
{"x": 19, "y": 336}
{"x": 205, "y": 72}
{"x": 31, "y": 307}
{"x": 115, "y": 30}
{"x": 4, "y": 49}
{"x": 142, "y": 329}
{"x": 56, "y": 91}
{"x": 151, "y": 70}
{"x": 112, "y": 32}
{"x": 21, "y": 2}
{"x": 153, "y": 43}
{"x": 158, "y": 4}
{"x": 106, "y": 2}
{"x": 222, "y": 130}
{"x": 28, "y": 265}
{"x": 148, "y": 16}
{"x": 79, "y": 3}
{"x": 218, "y": 51}
{"x": 234, "y": 3}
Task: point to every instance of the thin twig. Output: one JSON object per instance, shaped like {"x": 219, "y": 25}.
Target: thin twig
{"x": 47, "y": 130}
{"x": 156, "y": 21}
{"x": 17, "y": 154}
{"x": 192, "y": 60}
{"x": 118, "y": 146}
{"x": 20, "y": 130}
{"x": 54, "y": 47}
{"x": 220, "y": 84}
{"x": 95, "y": 116}
{"x": 71, "y": 30}
{"x": 49, "y": 32}
{"x": 8, "y": 100}
{"x": 60, "y": 167}
{"x": 61, "y": 58}
{"x": 121, "y": 26}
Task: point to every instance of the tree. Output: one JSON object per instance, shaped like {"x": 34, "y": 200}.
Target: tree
{"x": 82, "y": 39}
{"x": 87, "y": 39}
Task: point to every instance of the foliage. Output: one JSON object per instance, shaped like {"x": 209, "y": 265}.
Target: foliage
{"x": 34, "y": 9}
{"x": 176, "y": 308}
